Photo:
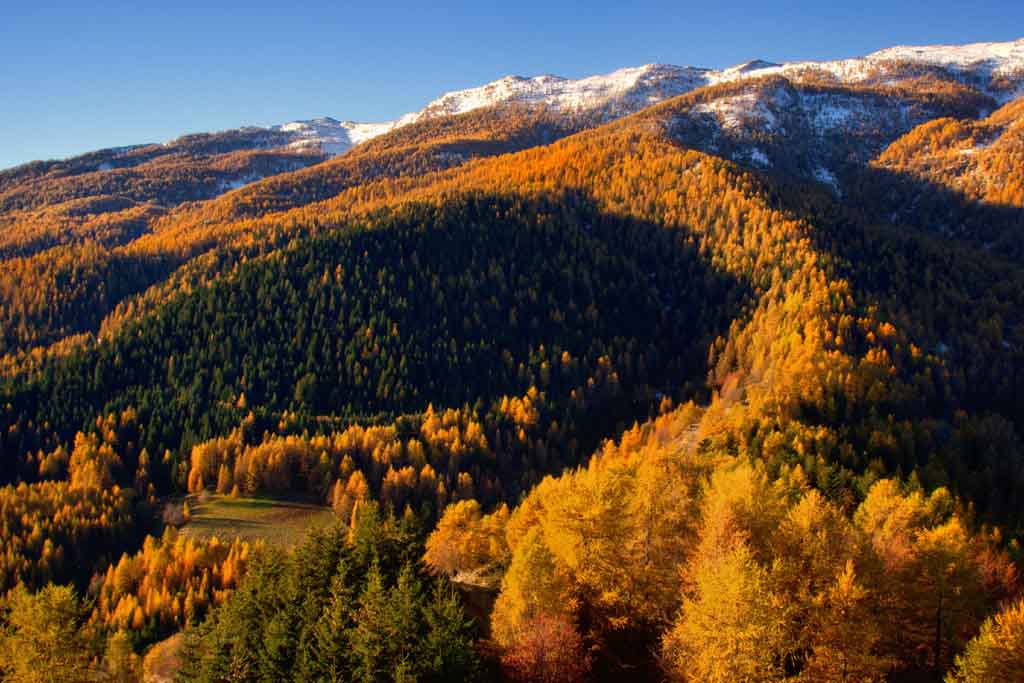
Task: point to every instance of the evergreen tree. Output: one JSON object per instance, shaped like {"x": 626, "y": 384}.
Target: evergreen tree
{"x": 447, "y": 651}
{"x": 368, "y": 638}
{"x": 326, "y": 656}
{"x": 404, "y": 623}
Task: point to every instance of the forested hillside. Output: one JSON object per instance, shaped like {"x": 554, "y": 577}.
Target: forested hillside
{"x": 729, "y": 389}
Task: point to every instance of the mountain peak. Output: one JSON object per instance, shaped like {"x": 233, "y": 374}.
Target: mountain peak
{"x": 752, "y": 65}
{"x": 629, "y": 89}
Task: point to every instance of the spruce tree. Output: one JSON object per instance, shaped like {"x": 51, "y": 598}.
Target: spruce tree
{"x": 326, "y": 655}
{"x": 447, "y": 650}
{"x": 368, "y": 638}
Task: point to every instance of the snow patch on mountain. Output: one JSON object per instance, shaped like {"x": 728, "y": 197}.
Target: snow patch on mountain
{"x": 738, "y": 111}
{"x": 331, "y": 136}
{"x": 619, "y": 93}
{"x": 994, "y": 58}
{"x": 625, "y": 90}
{"x": 826, "y": 176}
{"x": 993, "y": 65}
{"x": 759, "y": 158}
{"x": 997, "y": 67}
{"x": 229, "y": 185}
{"x": 748, "y": 68}
{"x": 829, "y": 112}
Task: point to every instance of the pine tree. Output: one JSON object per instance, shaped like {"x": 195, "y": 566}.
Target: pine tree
{"x": 447, "y": 650}
{"x": 327, "y": 656}
{"x": 404, "y": 628}
{"x": 277, "y": 654}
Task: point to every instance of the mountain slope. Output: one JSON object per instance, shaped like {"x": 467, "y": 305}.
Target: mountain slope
{"x": 808, "y": 129}
{"x": 963, "y": 178}
{"x": 44, "y": 204}
{"x": 807, "y": 261}
{"x": 101, "y": 250}
{"x": 820, "y": 122}
{"x": 468, "y": 312}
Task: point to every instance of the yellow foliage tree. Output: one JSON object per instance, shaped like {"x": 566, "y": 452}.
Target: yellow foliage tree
{"x": 732, "y": 627}
{"x": 43, "y": 643}
{"x": 996, "y": 654}
{"x": 468, "y": 544}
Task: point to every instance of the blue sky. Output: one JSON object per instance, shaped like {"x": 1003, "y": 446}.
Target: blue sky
{"x": 77, "y": 76}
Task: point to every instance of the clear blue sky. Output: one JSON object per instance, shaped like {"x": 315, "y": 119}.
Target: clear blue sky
{"x": 77, "y": 76}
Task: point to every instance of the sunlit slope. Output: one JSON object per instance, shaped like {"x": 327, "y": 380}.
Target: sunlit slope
{"x": 805, "y": 124}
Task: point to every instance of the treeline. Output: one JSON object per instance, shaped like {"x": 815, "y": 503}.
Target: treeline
{"x": 423, "y": 461}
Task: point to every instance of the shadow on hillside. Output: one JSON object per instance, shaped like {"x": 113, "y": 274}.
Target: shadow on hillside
{"x": 903, "y": 199}
{"x": 636, "y": 290}
{"x": 958, "y": 298}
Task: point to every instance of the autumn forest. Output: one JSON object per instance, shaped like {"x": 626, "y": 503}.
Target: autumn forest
{"x": 521, "y": 394}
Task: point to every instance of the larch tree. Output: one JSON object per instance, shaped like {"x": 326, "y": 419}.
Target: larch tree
{"x": 535, "y": 583}
{"x": 731, "y": 627}
{"x": 996, "y": 654}
{"x": 845, "y": 645}
{"x": 43, "y": 641}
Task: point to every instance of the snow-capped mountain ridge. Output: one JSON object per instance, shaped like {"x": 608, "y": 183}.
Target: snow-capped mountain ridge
{"x": 998, "y": 67}
{"x": 985, "y": 62}
{"x": 630, "y": 87}
{"x": 330, "y": 135}
{"x": 1008, "y": 54}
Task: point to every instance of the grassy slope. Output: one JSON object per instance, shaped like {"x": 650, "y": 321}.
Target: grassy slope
{"x": 280, "y": 523}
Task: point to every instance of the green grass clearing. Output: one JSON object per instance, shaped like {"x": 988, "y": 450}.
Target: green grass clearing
{"x": 281, "y": 523}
